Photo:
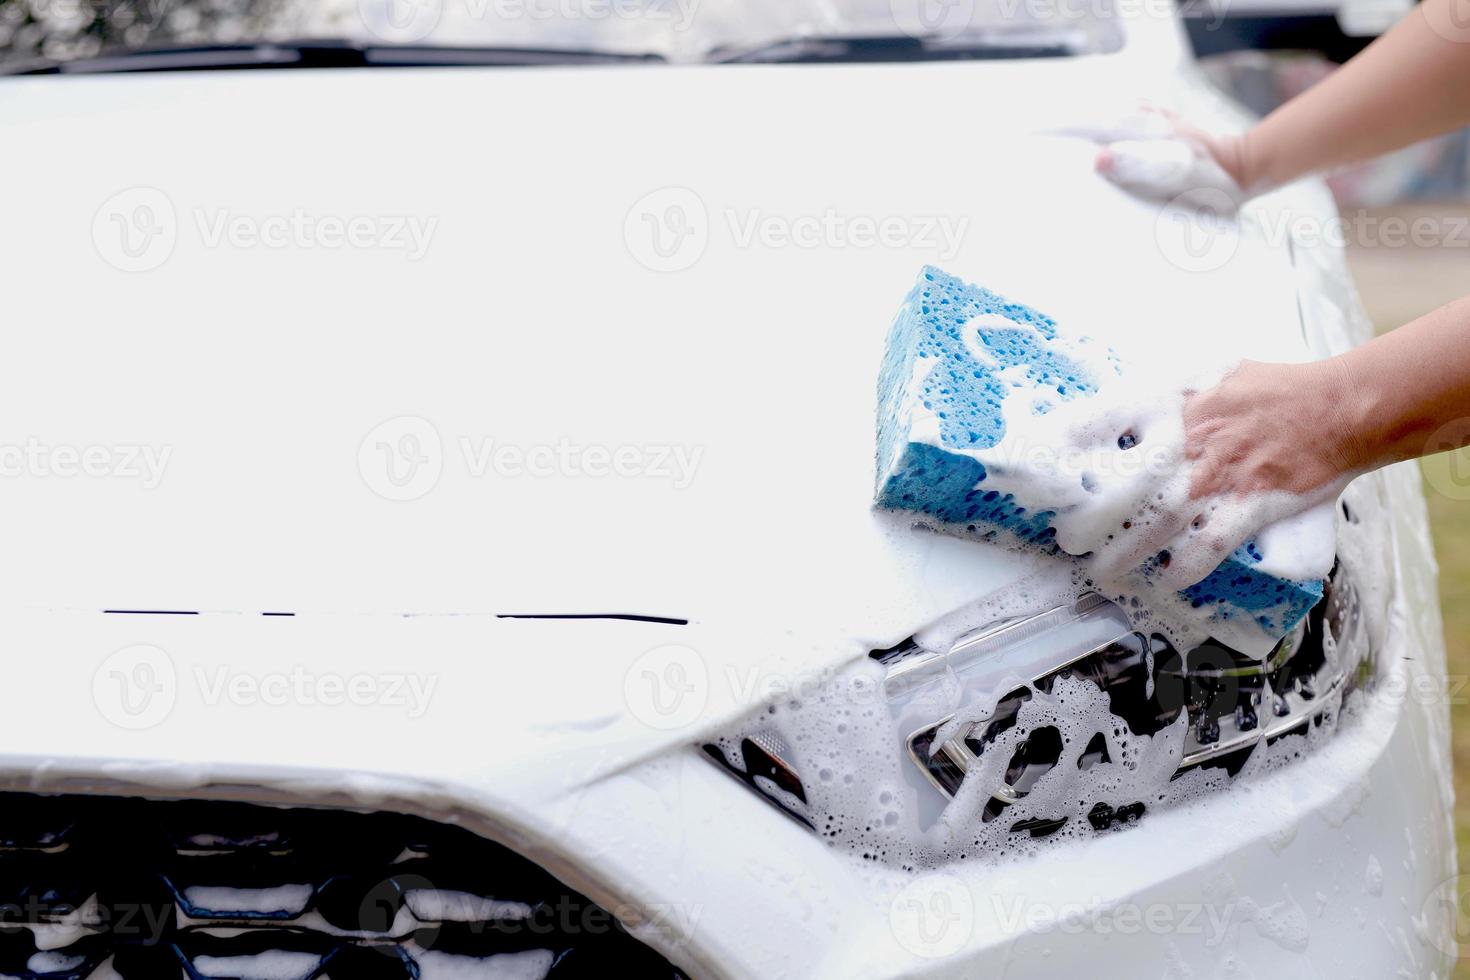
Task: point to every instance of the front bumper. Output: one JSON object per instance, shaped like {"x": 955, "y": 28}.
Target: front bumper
{"x": 1338, "y": 864}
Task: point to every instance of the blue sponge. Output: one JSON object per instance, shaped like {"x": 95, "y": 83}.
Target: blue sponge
{"x": 928, "y": 363}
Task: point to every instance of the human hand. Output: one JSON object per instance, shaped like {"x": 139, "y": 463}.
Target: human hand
{"x": 1157, "y": 155}
{"x": 1264, "y": 443}
{"x": 1175, "y": 480}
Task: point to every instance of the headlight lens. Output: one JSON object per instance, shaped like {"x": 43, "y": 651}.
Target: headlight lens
{"x": 966, "y": 731}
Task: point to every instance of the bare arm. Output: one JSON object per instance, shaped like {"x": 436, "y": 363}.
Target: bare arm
{"x": 1410, "y": 84}
{"x": 1400, "y": 396}
{"x": 1272, "y": 439}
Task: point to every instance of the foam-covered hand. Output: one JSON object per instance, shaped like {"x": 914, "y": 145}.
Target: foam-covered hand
{"x": 1155, "y": 154}
{"x": 1225, "y": 457}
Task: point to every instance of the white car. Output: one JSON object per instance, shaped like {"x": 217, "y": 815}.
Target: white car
{"x": 432, "y": 495}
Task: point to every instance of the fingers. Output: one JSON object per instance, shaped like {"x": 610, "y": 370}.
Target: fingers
{"x": 1167, "y": 170}
{"x": 1144, "y": 123}
{"x": 1153, "y": 154}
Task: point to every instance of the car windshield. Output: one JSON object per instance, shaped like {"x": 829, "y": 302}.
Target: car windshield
{"x": 113, "y": 34}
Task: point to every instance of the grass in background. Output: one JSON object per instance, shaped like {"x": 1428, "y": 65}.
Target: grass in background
{"x": 1397, "y": 285}
{"x": 1450, "y": 522}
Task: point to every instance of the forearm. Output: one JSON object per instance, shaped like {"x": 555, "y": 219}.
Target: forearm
{"x": 1410, "y": 84}
{"x": 1407, "y": 393}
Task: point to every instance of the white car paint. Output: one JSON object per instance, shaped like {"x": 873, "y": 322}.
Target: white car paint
{"x": 265, "y": 374}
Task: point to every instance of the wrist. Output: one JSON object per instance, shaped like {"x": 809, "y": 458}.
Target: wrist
{"x": 1246, "y": 162}
{"x": 1347, "y": 443}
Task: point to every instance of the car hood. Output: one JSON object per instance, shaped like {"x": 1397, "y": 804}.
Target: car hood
{"x": 279, "y": 378}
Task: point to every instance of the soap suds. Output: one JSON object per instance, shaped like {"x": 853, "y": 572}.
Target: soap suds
{"x": 995, "y": 424}
{"x": 848, "y": 739}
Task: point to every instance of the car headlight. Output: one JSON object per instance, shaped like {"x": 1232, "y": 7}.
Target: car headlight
{"x": 1027, "y": 725}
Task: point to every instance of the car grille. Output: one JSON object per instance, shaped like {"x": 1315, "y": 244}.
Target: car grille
{"x": 97, "y": 888}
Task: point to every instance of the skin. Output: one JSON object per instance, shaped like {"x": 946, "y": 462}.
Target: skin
{"x": 1400, "y": 396}
{"x": 1403, "y": 395}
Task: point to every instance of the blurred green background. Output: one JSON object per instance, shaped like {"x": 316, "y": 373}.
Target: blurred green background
{"x": 1397, "y": 285}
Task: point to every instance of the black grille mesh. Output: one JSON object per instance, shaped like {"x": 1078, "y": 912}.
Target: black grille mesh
{"x": 95, "y": 888}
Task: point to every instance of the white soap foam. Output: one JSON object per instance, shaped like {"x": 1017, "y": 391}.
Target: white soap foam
{"x": 847, "y": 740}
{"x": 1112, "y": 466}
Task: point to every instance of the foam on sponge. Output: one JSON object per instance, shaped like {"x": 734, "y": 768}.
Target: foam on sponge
{"x": 965, "y": 366}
